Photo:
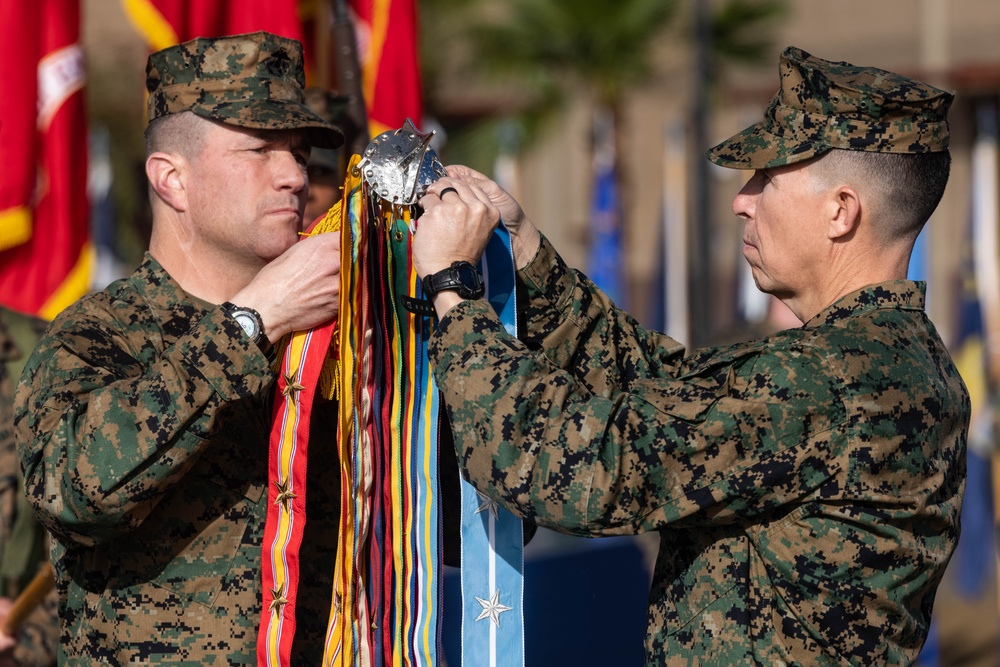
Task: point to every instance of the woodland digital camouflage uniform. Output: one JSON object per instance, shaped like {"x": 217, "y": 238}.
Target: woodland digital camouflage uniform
{"x": 144, "y": 417}
{"x": 806, "y": 486}
{"x": 143, "y": 420}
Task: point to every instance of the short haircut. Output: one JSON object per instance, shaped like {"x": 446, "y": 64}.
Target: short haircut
{"x": 182, "y": 133}
{"x": 904, "y": 188}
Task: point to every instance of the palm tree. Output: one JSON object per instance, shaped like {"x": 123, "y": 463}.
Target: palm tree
{"x": 559, "y": 47}
{"x": 556, "y": 51}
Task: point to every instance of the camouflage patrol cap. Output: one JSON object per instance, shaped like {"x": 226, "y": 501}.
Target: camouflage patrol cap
{"x": 332, "y": 108}
{"x": 254, "y": 80}
{"x": 824, "y": 105}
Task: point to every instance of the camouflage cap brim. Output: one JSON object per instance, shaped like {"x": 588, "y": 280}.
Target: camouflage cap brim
{"x": 757, "y": 148}
{"x": 274, "y": 115}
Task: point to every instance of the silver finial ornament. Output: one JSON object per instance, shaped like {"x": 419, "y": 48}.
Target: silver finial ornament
{"x": 402, "y": 164}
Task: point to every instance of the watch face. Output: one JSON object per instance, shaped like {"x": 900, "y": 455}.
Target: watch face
{"x": 472, "y": 285}
{"x": 247, "y": 321}
{"x": 466, "y": 274}
{"x": 462, "y": 277}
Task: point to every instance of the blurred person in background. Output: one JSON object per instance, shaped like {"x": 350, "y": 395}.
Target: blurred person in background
{"x": 326, "y": 165}
{"x": 23, "y": 542}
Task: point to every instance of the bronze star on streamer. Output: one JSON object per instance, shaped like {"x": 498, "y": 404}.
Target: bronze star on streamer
{"x": 291, "y": 385}
{"x": 284, "y": 494}
{"x": 279, "y": 600}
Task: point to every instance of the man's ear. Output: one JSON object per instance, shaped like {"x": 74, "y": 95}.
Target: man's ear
{"x": 845, "y": 213}
{"x": 167, "y": 175}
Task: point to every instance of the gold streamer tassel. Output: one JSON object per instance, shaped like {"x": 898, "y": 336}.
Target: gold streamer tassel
{"x": 329, "y": 377}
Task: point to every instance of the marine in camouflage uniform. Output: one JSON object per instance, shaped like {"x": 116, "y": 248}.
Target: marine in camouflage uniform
{"x": 143, "y": 419}
{"x": 806, "y": 486}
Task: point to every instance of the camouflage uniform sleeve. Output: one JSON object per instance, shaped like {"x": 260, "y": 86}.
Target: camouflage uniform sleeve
{"x": 579, "y": 329}
{"x": 106, "y": 427}
{"x": 683, "y": 451}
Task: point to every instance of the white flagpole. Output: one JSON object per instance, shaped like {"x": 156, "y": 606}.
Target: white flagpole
{"x": 676, "y": 310}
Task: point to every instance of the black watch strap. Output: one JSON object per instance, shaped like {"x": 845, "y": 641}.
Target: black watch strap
{"x": 461, "y": 277}
{"x": 266, "y": 347}
{"x": 417, "y": 306}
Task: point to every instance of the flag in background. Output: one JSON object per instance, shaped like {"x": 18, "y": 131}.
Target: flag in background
{"x": 19, "y": 24}
{"x": 605, "y": 256}
{"x": 387, "y": 44}
{"x": 45, "y": 255}
{"x": 164, "y": 23}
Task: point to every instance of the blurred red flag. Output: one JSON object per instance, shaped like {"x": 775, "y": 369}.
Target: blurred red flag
{"x": 45, "y": 254}
{"x": 167, "y": 22}
{"x": 387, "y": 45}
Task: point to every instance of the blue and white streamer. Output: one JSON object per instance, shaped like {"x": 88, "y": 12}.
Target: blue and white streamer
{"x": 492, "y": 537}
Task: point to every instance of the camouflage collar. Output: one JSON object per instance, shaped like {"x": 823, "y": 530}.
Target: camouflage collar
{"x": 898, "y": 294}
{"x": 175, "y": 309}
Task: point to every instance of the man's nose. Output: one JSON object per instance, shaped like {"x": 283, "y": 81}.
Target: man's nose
{"x": 743, "y": 205}
{"x": 291, "y": 173}
{"x": 745, "y": 201}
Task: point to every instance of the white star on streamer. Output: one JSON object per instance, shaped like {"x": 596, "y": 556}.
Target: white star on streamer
{"x": 488, "y": 505}
{"x": 492, "y": 608}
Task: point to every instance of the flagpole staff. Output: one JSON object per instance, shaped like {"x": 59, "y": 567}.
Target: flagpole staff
{"x": 348, "y": 78}
{"x": 29, "y": 598}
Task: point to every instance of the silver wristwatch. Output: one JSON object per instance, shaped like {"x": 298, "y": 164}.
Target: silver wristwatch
{"x": 251, "y": 323}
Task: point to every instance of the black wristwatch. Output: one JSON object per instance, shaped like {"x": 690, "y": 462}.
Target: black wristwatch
{"x": 461, "y": 277}
{"x": 250, "y": 321}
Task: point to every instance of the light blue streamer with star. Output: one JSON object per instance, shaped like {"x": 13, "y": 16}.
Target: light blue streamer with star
{"x": 492, "y": 538}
